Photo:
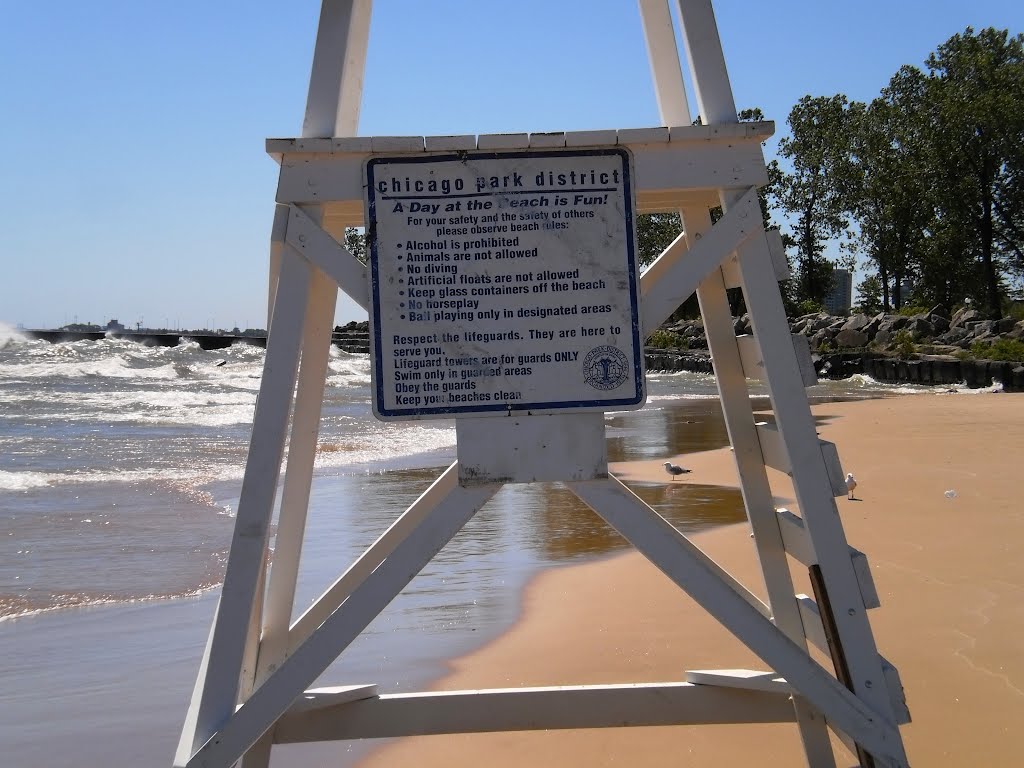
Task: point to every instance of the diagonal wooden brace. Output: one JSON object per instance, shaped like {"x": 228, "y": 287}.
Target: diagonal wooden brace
{"x": 326, "y": 253}
{"x": 689, "y": 568}
{"x": 268, "y": 702}
{"x": 677, "y": 273}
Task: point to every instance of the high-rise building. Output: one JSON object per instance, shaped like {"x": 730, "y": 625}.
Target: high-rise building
{"x": 839, "y": 299}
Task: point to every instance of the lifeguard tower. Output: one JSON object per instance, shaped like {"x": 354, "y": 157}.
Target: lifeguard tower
{"x": 503, "y": 292}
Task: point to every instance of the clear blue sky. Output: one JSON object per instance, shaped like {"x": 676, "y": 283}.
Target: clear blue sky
{"x": 135, "y": 183}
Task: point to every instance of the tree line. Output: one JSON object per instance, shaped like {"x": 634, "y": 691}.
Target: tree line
{"x": 925, "y": 182}
{"x": 924, "y": 185}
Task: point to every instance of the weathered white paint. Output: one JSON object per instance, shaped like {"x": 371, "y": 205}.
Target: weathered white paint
{"x": 329, "y": 255}
{"x": 663, "y": 55}
{"x": 811, "y": 477}
{"x": 675, "y": 275}
{"x": 719, "y": 161}
{"x": 753, "y": 360}
{"x": 757, "y": 493}
{"x": 711, "y": 295}
{"x": 322, "y": 174}
{"x": 776, "y": 456}
{"x": 268, "y": 702}
{"x": 449, "y": 143}
{"x": 815, "y": 630}
{"x": 798, "y": 544}
{"x": 529, "y": 449}
{"x": 691, "y": 570}
{"x": 256, "y": 501}
{"x": 815, "y": 491}
{"x": 519, "y": 709}
{"x": 747, "y": 679}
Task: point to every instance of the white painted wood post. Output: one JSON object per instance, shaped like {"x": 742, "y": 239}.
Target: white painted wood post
{"x": 332, "y": 109}
{"x": 259, "y": 487}
{"x": 757, "y": 493}
{"x": 732, "y": 389}
{"x": 789, "y": 400}
{"x": 335, "y": 92}
{"x": 309, "y": 660}
{"x": 663, "y": 54}
{"x": 701, "y": 578}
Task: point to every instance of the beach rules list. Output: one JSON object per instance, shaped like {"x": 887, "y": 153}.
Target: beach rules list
{"x": 503, "y": 282}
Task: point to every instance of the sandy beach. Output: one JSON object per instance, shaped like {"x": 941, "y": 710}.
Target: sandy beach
{"x": 948, "y": 569}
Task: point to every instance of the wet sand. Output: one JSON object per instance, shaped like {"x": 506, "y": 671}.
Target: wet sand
{"x": 949, "y": 572}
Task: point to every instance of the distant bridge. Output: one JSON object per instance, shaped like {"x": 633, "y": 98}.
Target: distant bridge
{"x": 347, "y": 340}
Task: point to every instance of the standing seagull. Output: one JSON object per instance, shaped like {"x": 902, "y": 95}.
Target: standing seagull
{"x": 851, "y": 485}
{"x": 675, "y": 469}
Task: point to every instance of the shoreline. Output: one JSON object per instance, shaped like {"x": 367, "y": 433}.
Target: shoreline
{"x": 947, "y": 570}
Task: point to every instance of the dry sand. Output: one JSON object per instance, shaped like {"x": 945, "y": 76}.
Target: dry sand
{"x": 949, "y": 572}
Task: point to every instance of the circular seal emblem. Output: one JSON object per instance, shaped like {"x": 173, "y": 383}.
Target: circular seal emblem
{"x": 605, "y": 367}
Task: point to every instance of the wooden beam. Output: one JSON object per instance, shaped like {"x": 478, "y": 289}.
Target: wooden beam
{"x": 731, "y": 269}
{"x": 725, "y": 133}
{"x": 334, "y": 259}
{"x": 325, "y": 177}
{"x": 696, "y": 574}
{"x": 753, "y": 360}
{"x": 677, "y": 273}
{"x": 776, "y": 456}
{"x": 747, "y": 679}
{"x": 531, "y": 709}
{"x": 798, "y": 544}
{"x": 307, "y": 662}
{"x": 406, "y": 524}
{"x": 255, "y": 505}
{"x": 815, "y": 631}
{"x": 663, "y": 55}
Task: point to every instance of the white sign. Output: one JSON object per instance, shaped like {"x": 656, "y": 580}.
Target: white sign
{"x": 503, "y": 282}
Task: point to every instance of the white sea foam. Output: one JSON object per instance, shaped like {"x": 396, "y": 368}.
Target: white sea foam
{"x": 9, "y": 334}
{"x": 862, "y": 380}
{"x": 381, "y": 443}
{"x": 23, "y": 481}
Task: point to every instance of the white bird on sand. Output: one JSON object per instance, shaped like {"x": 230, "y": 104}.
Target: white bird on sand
{"x": 851, "y": 485}
{"x": 675, "y": 469}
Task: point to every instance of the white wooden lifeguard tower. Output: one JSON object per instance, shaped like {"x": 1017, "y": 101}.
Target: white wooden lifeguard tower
{"x": 253, "y": 686}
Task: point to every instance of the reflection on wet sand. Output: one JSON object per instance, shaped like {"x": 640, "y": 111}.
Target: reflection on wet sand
{"x": 559, "y": 527}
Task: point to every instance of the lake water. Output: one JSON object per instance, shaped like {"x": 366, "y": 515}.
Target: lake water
{"x": 120, "y": 468}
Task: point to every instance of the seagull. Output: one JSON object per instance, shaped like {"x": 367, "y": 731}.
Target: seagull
{"x": 851, "y": 485}
{"x": 674, "y": 469}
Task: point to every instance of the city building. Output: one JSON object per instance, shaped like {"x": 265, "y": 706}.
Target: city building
{"x": 840, "y": 298}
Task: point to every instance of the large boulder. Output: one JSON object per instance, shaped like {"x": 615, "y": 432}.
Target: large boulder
{"x": 822, "y": 321}
{"x": 981, "y": 327}
{"x": 856, "y": 323}
{"x": 872, "y": 327}
{"x": 819, "y": 337}
{"x": 955, "y": 335}
{"x": 1004, "y": 325}
{"x": 939, "y": 322}
{"x": 850, "y": 338}
{"x": 919, "y": 328}
{"x": 965, "y": 315}
{"x": 893, "y": 323}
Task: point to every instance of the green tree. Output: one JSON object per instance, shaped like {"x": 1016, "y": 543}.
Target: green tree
{"x": 654, "y": 233}
{"x": 813, "y": 194}
{"x": 869, "y": 292}
{"x": 355, "y": 241}
{"x": 888, "y": 193}
{"x": 974, "y": 97}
